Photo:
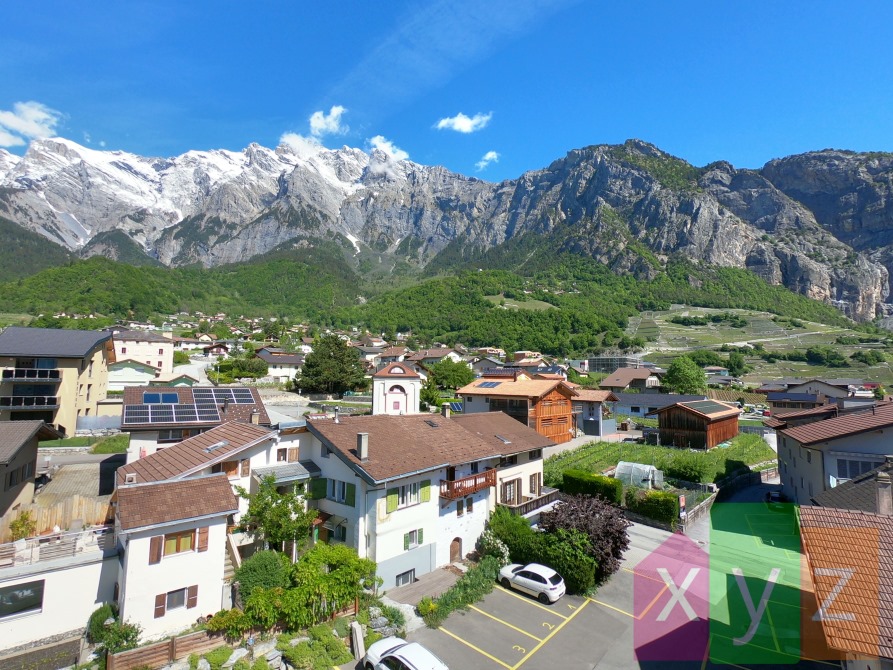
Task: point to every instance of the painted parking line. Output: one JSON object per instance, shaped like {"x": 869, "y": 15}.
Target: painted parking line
{"x": 529, "y": 601}
{"x": 476, "y": 648}
{"x": 551, "y": 634}
{"x": 630, "y": 614}
{"x": 504, "y": 623}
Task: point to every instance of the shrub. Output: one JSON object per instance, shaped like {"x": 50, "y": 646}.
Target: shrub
{"x": 471, "y": 587}
{"x": 120, "y": 636}
{"x": 490, "y": 545}
{"x": 426, "y": 606}
{"x": 218, "y": 656}
{"x": 233, "y": 623}
{"x": 342, "y": 626}
{"x": 193, "y": 661}
{"x": 568, "y": 552}
{"x": 260, "y": 664}
{"x": 394, "y": 615}
{"x": 23, "y": 526}
{"x": 371, "y": 638}
{"x": 576, "y": 482}
{"x": 241, "y": 664}
{"x": 685, "y": 465}
{"x": 265, "y": 569}
{"x": 515, "y": 532}
{"x": 658, "y": 505}
{"x": 96, "y": 623}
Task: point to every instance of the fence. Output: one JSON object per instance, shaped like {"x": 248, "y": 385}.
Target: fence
{"x": 90, "y": 511}
{"x": 161, "y": 653}
{"x": 93, "y": 542}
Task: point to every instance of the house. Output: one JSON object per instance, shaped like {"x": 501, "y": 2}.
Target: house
{"x": 18, "y": 460}
{"x": 175, "y": 379}
{"x": 786, "y": 401}
{"x": 817, "y": 456}
{"x": 848, "y": 559}
{"x": 149, "y": 348}
{"x": 413, "y": 492}
{"x": 641, "y": 404}
{"x": 425, "y": 358}
{"x": 187, "y": 343}
{"x": 173, "y": 555}
{"x": 623, "y": 379}
{"x": 130, "y": 372}
{"x": 216, "y": 349}
{"x": 611, "y": 362}
{"x": 396, "y": 390}
{"x": 542, "y": 404}
{"x": 866, "y": 492}
{"x": 798, "y": 417}
{"x": 281, "y": 365}
{"x": 392, "y": 355}
{"x": 156, "y": 417}
{"x": 698, "y": 424}
{"x": 593, "y": 409}
{"x": 480, "y": 366}
{"x": 54, "y": 376}
{"x": 529, "y": 361}
{"x": 715, "y": 371}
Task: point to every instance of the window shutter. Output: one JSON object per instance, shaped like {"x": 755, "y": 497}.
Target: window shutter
{"x": 350, "y": 497}
{"x": 426, "y": 490}
{"x": 246, "y": 468}
{"x": 192, "y": 596}
{"x": 203, "y": 538}
{"x": 292, "y": 454}
{"x": 160, "y": 601}
{"x": 420, "y": 537}
{"x": 406, "y": 541}
{"x": 155, "y": 545}
{"x": 319, "y": 488}
{"x": 392, "y": 496}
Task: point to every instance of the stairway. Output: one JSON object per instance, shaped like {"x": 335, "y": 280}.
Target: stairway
{"x": 228, "y": 569}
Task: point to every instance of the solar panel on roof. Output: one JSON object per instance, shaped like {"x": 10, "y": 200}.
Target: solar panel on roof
{"x": 456, "y": 407}
{"x": 150, "y": 398}
{"x": 707, "y": 406}
{"x": 489, "y": 385}
{"x": 170, "y": 398}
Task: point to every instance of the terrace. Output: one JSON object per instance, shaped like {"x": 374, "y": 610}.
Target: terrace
{"x": 89, "y": 543}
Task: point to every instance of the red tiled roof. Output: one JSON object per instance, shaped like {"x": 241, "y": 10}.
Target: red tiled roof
{"x": 836, "y": 540}
{"x": 881, "y": 416}
{"x": 399, "y": 370}
{"x": 523, "y": 387}
{"x": 141, "y": 505}
{"x": 595, "y": 395}
{"x": 192, "y": 454}
{"x": 623, "y": 377}
{"x": 439, "y": 352}
{"x": 400, "y": 445}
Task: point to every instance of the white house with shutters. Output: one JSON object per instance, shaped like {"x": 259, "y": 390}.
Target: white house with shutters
{"x": 171, "y": 569}
{"x": 413, "y": 492}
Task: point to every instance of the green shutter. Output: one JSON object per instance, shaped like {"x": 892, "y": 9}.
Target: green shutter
{"x": 350, "y": 499}
{"x": 420, "y": 537}
{"x": 426, "y": 490}
{"x": 406, "y": 542}
{"x": 319, "y": 488}
{"x": 392, "y": 496}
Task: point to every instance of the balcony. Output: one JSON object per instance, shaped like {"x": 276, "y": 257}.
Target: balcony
{"x": 85, "y": 544}
{"x": 29, "y": 402}
{"x": 547, "y": 496}
{"x": 459, "y": 488}
{"x": 32, "y": 374}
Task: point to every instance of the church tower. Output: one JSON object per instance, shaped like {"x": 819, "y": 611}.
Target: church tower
{"x": 396, "y": 390}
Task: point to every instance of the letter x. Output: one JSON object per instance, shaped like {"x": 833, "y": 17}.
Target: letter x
{"x": 678, "y": 594}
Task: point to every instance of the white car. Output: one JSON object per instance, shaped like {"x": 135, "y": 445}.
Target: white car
{"x": 538, "y": 580}
{"x": 394, "y": 653}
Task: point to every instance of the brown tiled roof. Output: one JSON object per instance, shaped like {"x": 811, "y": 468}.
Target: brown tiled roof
{"x": 190, "y": 455}
{"x": 838, "y": 539}
{"x": 140, "y": 336}
{"x": 858, "y": 493}
{"x": 881, "y": 416}
{"x": 141, "y": 505}
{"x": 393, "y": 352}
{"x": 623, "y": 377}
{"x": 523, "y": 387}
{"x": 439, "y": 352}
{"x": 133, "y": 395}
{"x": 15, "y": 434}
{"x": 595, "y": 395}
{"x": 401, "y": 445}
{"x": 396, "y": 370}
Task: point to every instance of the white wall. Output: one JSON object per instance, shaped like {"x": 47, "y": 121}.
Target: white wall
{"x": 69, "y": 598}
{"x": 142, "y": 582}
{"x": 129, "y": 374}
{"x": 142, "y": 444}
{"x": 158, "y": 354}
{"x": 469, "y": 526}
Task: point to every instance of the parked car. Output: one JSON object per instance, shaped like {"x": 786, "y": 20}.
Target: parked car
{"x": 394, "y": 653}
{"x": 766, "y": 412}
{"x": 537, "y": 580}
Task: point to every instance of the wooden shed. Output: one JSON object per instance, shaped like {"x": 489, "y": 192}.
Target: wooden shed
{"x": 699, "y": 424}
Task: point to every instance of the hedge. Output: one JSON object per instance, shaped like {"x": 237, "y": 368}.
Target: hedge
{"x": 657, "y": 505}
{"x": 577, "y": 482}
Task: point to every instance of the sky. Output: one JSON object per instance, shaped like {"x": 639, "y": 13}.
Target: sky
{"x": 489, "y": 89}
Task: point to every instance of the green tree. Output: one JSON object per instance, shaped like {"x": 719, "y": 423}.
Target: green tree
{"x": 737, "y": 365}
{"x": 451, "y": 374}
{"x": 684, "y": 376}
{"x": 276, "y": 518}
{"x": 429, "y": 393}
{"x": 332, "y": 367}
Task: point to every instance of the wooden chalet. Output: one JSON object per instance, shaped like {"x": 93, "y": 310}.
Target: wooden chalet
{"x": 698, "y": 424}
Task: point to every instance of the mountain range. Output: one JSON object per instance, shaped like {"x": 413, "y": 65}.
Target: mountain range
{"x": 819, "y": 223}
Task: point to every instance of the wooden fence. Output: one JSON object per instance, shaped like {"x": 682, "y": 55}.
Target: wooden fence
{"x": 91, "y": 511}
{"x": 161, "y": 653}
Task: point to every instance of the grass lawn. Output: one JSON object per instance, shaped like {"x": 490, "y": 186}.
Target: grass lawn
{"x": 68, "y": 442}
{"x": 597, "y": 457}
{"x": 116, "y": 444}
{"x": 511, "y": 303}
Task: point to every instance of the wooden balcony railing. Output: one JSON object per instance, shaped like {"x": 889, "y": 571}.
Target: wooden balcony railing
{"x": 458, "y": 488}
{"x": 547, "y": 496}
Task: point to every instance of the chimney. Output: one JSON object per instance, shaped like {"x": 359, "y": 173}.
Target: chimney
{"x": 255, "y": 417}
{"x": 445, "y": 411}
{"x": 225, "y": 405}
{"x": 884, "y": 499}
{"x": 336, "y": 415}
{"x": 362, "y": 446}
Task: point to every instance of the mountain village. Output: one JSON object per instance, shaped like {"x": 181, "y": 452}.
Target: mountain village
{"x": 404, "y": 480}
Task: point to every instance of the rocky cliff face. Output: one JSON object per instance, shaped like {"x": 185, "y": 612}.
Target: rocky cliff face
{"x": 817, "y": 223}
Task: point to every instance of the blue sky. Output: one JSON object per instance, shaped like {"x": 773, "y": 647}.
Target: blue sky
{"x": 532, "y": 80}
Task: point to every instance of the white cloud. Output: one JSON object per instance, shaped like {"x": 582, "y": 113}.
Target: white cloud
{"x": 328, "y": 124}
{"x": 27, "y": 121}
{"x": 302, "y": 146}
{"x": 87, "y": 137}
{"x": 464, "y": 124}
{"x": 489, "y": 157}
{"x": 394, "y": 152}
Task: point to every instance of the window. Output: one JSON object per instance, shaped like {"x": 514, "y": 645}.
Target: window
{"x": 176, "y": 599}
{"x": 509, "y": 460}
{"x": 89, "y": 388}
{"x": 405, "y": 578}
{"x": 413, "y": 539}
{"x": 808, "y": 458}
{"x": 849, "y": 468}
{"x": 340, "y": 533}
{"x": 161, "y": 352}
{"x": 90, "y": 369}
{"x": 341, "y": 492}
{"x": 635, "y": 410}
{"x": 535, "y": 454}
{"x": 282, "y": 455}
{"x": 159, "y": 364}
{"x": 460, "y": 507}
{"x": 511, "y": 492}
{"x": 408, "y": 495}
{"x": 535, "y": 483}
{"x": 324, "y": 451}
{"x": 123, "y": 350}
{"x": 21, "y": 599}
{"x": 187, "y": 598}
{"x": 177, "y": 543}
{"x": 469, "y": 504}
{"x": 231, "y": 468}
{"x": 475, "y": 468}
{"x": 469, "y": 399}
